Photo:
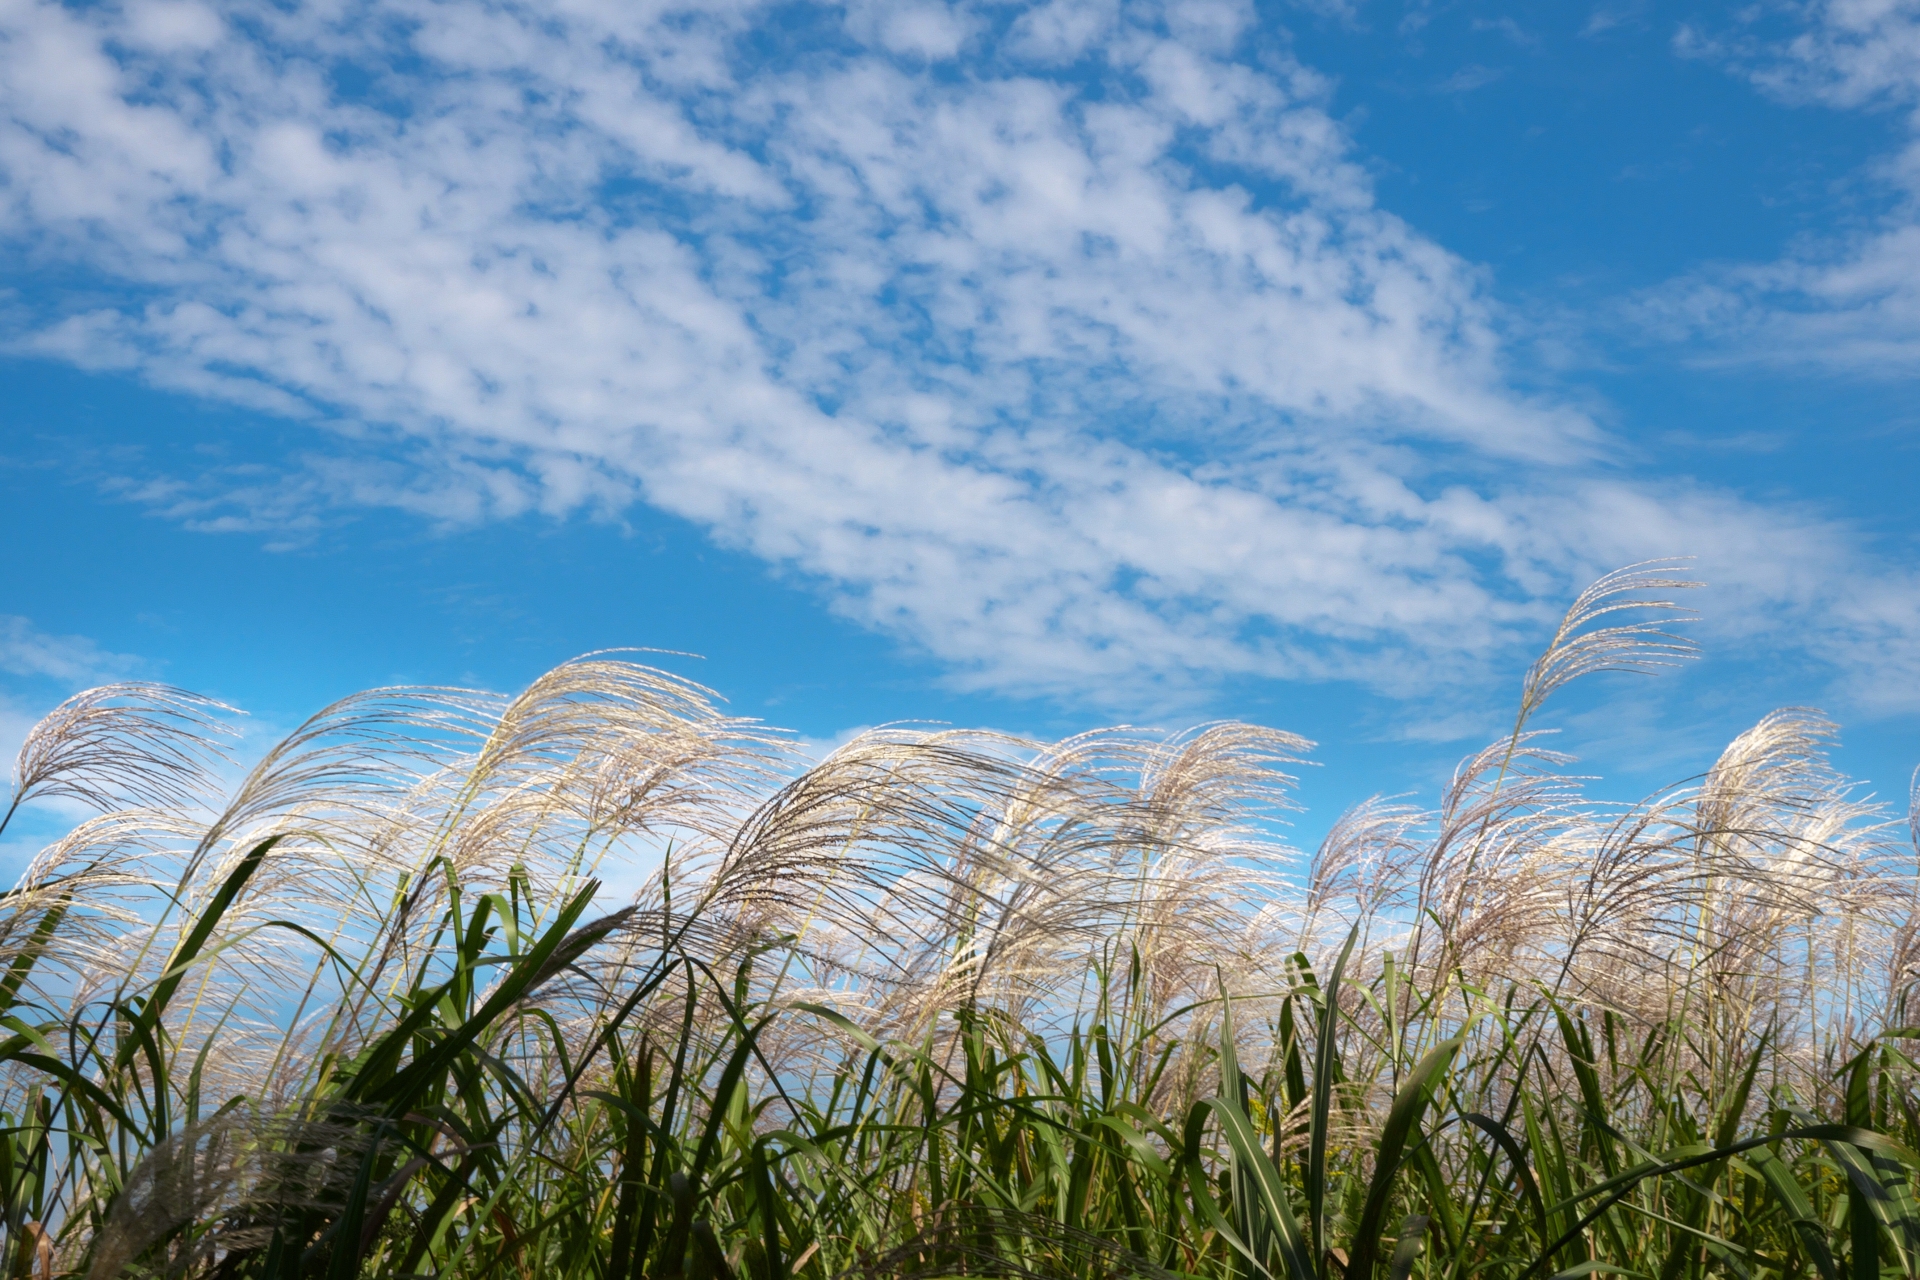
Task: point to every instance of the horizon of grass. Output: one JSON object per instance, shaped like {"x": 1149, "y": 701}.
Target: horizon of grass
{"x": 944, "y": 1003}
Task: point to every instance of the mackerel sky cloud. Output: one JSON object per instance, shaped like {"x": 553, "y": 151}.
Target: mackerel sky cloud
{"x": 1072, "y": 345}
{"x": 1850, "y": 297}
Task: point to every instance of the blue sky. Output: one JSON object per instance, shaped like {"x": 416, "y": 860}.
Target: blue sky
{"x": 1032, "y": 366}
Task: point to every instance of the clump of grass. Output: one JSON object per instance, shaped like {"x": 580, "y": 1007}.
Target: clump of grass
{"x": 943, "y": 1003}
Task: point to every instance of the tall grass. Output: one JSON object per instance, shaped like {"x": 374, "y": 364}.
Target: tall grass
{"x": 943, "y": 1003}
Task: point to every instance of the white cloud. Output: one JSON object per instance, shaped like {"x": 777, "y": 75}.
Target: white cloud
{"x": 1074, "y": 381}
{"x": 919, "y": 30}
{"x": 1853, "y": 53}
{"x": 30, "y": 653}
{"x": 1471, "y": 77}
{"x": 1849, "y": 301}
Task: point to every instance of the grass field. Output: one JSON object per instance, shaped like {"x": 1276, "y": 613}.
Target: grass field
{"x": 945, "y": 1003}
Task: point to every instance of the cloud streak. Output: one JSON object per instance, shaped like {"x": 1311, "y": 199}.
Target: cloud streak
{"x": 1852, "y": 301}
{"x": 1066, "y": 343}
{"x": 26, "y": 652}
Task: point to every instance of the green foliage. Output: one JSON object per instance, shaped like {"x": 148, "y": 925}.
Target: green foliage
{"x": 941, "y": 1005}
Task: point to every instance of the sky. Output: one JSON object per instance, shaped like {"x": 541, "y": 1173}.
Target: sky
{"x": 1031, "y": 366}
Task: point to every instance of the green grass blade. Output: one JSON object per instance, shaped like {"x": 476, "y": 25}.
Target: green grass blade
{"x": 1326, "y": 1062}
{"x": 189, "y": 948}
{"x": 29, "y": 955}
{"x": 1270, "y": 1193}
{"x": 1792, "y": 1198}
{"x": 1402, "y": 1120}
{"x": 555, "y": 948}
{"x": 1517, "y": 1161}
{"x": 1406, "y": 1251}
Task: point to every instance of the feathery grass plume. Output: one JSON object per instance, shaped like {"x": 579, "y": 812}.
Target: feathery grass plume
{"x": 1580, "y": 647}
{"x": 946, "y": 1002}
{"x": 1359, "y": 870}
{"x": 223, "y": 1184}
{"x": 118, "y": 745}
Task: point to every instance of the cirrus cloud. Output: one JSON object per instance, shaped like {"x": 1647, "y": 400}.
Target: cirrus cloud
{"x": 1848, "y": 301}
{"x": 1067, "y": 342}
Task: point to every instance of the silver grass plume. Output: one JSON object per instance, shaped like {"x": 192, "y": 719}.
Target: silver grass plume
{"x": 1580, "y": 647}
{"x": 917, "y": 873}
{"x": 224, "y": 1183}
{"x": 132, "y": 744}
